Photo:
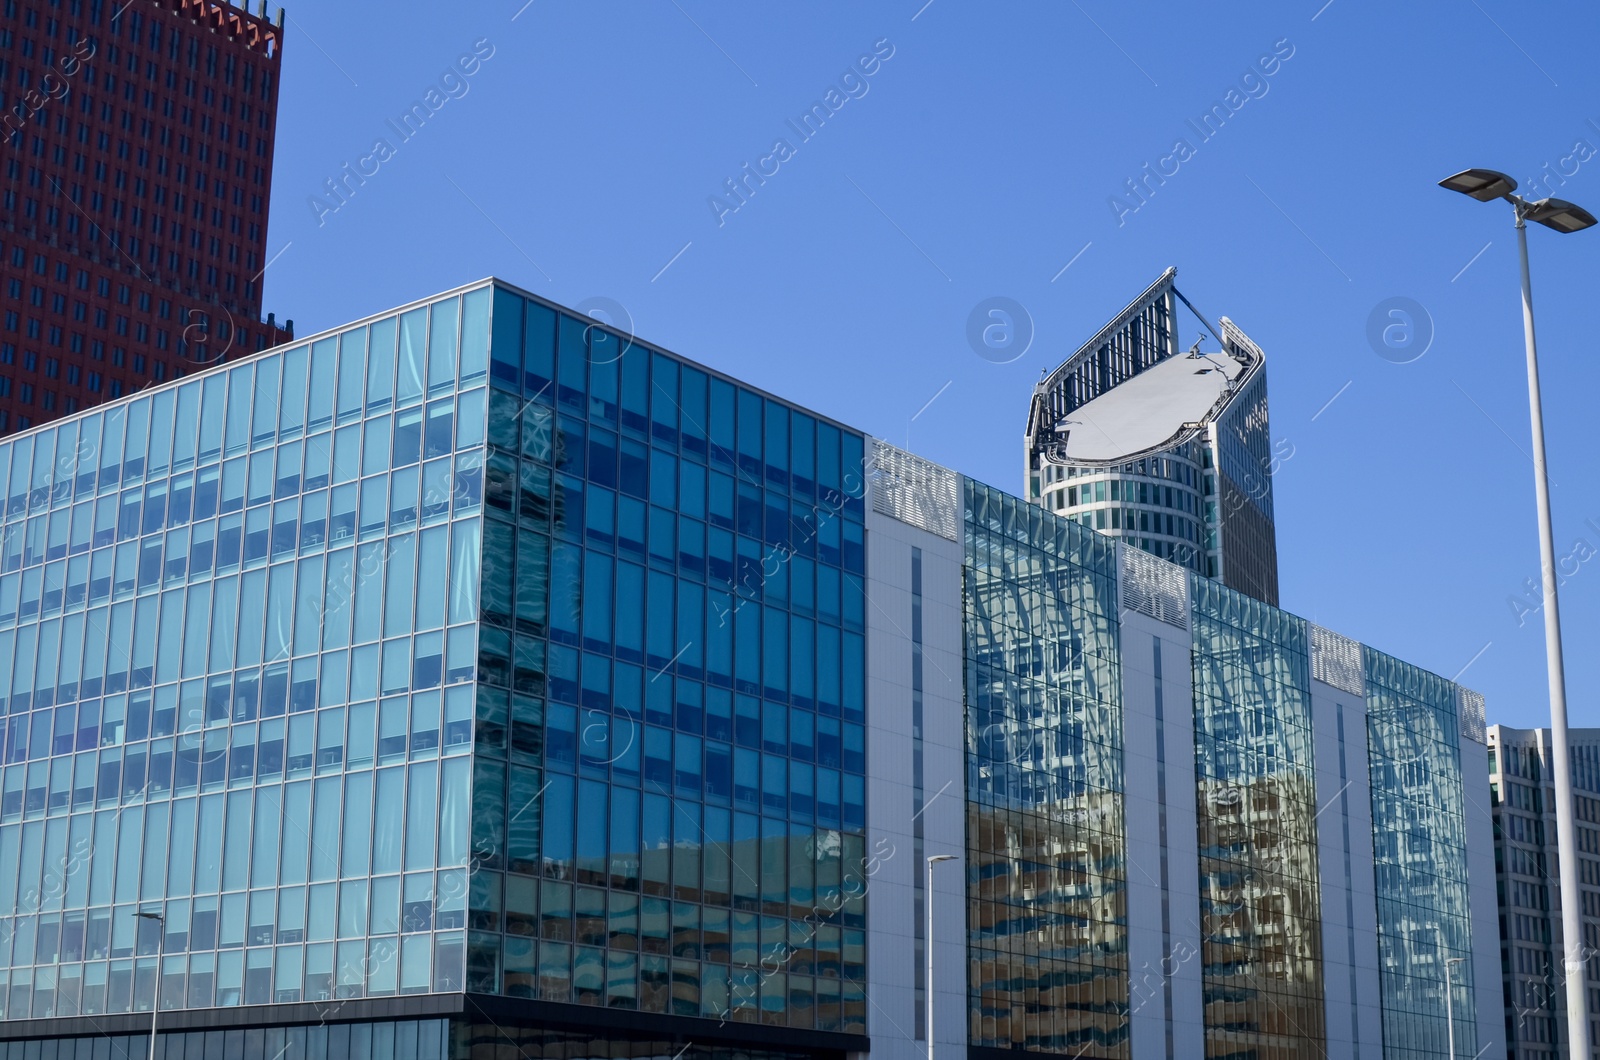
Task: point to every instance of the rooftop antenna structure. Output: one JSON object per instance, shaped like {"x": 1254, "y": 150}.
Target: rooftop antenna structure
{"x": 1141, "y": 337}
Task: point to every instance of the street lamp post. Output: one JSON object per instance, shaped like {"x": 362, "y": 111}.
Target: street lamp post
{"x": 1449, "y": 1007}
{"x": 927, "y": 945}
{"x": 155, "y": 1000}
{"x": 1486, "y": 185}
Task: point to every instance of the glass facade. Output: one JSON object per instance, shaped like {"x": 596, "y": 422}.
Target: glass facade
{"x": 230, "y": 697}
{"x": 391, "y": 663}
{"x": 379, "y": 1040}
{"x": 1046, "y": 869}
{"x": 425, "y": 1039}
{"x": 1048, "y": 853}
{"x": 1260, "y": 904}
{"x": 476, "y": 649}
{"x": 1242, "y": 543}
{"x": 668, "y": 795}
{"x": 1420, "y": 854}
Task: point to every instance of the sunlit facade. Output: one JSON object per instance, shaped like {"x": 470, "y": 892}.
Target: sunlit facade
{"x": 1196, "y": 825}
{"x": 473, "y": 680}
{"x": 230, "y": 697}
{"x": 436, "y": 673}
{"x": 1046, "y": 845}
{"x": 1260, "y": 900}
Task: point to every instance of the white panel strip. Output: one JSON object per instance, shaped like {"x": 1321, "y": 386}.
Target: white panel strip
{"x": 1469, "y": 714}
{"x": 1153, "y": 587}
{"x": 1336, "y": 661}
{"x": 915, "y": 491}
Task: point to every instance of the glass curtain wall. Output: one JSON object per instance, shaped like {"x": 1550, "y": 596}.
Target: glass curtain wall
{"x": 1424, "y": 917}
{"x": 668, "y": 805}
{"x": 1260, "y": 908}
{"x": 1046, "y": 866}
{"x": 237, "y": 647}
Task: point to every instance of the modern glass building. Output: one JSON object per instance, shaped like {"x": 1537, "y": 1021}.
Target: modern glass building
{"x": 438, "y": 673}
{"x": 1194, "y": 825}
{"x": 1165, "y": 449}
{"x": 426, "y": 687}
{"x": 1527, "y": 863}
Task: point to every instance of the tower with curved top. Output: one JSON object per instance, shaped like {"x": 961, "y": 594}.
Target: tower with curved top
{"x": 1164, "y": 447}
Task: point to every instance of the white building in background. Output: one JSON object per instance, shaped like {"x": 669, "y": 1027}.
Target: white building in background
{"x": 1522, "y": 789}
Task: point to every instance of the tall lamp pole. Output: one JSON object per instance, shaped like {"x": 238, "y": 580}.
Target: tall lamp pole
{"x": 1486, "y": 185}
{"x": 927, "y": 946}
{"x": 155, "y": 1000}
{"x": 1449, "y": 1008}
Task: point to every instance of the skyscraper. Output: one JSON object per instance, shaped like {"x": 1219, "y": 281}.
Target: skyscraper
{"x": 1166, "y": 449}
{"x": 1522, "y": 789}
{"x": 474, "y": 680}
{"x": 137, "y": 156}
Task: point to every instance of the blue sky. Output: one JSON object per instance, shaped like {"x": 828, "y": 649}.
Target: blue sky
{"x": 985, "y": 150}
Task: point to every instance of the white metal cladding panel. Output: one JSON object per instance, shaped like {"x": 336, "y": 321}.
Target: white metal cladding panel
{"x": 915, "y": 491}
{"x": 1344, "y": 851}
{"x": 1153, "y": 587}
{"x": 894, "y": 872}
{"x": 1336, "y": 661}
{"x": 1147, "y": 1010}
{"x": 1481, "y": 893}
{"x": 1469, "y": 713}
{"x": 1163, "y": 958}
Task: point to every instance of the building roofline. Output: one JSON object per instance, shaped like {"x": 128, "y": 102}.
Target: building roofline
{"x": 255, "y": 32}
{"x": 416, "y": 303}
{"x": 699, "y": 365}
{"x": 1058, "y": 393}
{"x": 1116, "y": 322}
{"x": 224, "y": 366}
{"x": 1583, "y": 733}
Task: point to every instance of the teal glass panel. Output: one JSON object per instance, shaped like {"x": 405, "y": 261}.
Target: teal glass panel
{"x": 504, "y": 350}
{"x": 1420, "y": 856}
{"x": 1260, "y": 902}
{"x": 595, "y": 573}
{"x": 1044, "y": 778}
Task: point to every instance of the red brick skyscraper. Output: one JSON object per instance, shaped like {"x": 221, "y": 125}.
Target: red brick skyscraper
{"x": 136, "y": 145}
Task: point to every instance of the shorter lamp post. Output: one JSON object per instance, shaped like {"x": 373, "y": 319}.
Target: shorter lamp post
{"x": 155, "y": 999}
{"x": 927, "y": 944}
{"x": 1449, "y": 1008}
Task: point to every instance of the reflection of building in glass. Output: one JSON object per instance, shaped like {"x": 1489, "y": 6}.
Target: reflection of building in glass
{"x": 1047, "y": 914}
{"x": 434, "y": 669}
{"x": 472, "y": 681}
{"x": 1415, "y": 752}
{"x": 1164, "y": 448}
{"x": 1170, "y": 835}
{"x": 1532, "y": 952}
{"x": 1260, "y": 909}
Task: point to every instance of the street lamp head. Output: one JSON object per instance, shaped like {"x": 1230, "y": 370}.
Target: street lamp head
{"x": 942, "y": 857}
{"x": 1456, "y": 960}
{"x": 1559, "y": 214}
{"x": 1485, "y": 185}
{"x": 149, "y": 916}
